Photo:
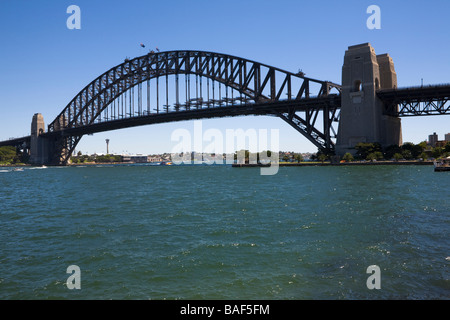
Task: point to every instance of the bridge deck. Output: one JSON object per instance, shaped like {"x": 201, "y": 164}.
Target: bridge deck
{"x": 272, "y": 108}
{"x": 16, "y": 141}
{"x": 417, "y": 101}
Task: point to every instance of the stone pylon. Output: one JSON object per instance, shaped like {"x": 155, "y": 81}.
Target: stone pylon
{"x": 38, "y": 145}
{"x": 362, "y": 118}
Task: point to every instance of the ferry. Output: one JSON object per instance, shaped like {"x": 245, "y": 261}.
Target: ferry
{"x": 442, "y": 165}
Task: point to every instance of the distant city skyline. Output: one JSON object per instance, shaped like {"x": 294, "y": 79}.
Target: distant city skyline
{"x": 45, "y": 64}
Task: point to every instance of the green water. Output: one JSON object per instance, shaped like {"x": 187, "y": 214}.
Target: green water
{"x": 217, "y": 232}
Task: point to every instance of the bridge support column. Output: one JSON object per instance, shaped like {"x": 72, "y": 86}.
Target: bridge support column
{"x": 362, "y": 118}
{"x": 39, "y": 153}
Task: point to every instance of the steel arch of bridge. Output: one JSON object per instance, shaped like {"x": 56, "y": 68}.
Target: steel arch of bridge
{"x": 261, "y": 89}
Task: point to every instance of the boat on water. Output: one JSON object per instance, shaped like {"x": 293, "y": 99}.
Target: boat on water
{"x": 17, "y": 169}
{"x": 442, "y": 164}
{"x": 166, "y": 163}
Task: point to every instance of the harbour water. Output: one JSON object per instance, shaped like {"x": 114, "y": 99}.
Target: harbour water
{"x": 217, "y": 232}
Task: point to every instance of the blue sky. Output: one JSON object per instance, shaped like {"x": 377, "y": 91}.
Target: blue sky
{"x": 43, "y": 64}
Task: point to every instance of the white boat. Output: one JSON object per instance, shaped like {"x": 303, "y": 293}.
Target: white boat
{"x": 442, "y": 164}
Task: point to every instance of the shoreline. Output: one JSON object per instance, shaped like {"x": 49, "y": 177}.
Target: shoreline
{"x": 248, "y": 165}
{"x": 319, "y": 164}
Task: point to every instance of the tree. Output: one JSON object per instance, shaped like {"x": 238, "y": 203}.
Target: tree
{"x": 371, "y": 156}
{"x": 363, "y": 149}
{"x": 8, "y": 154}
{"x": 423, "y": 156}
{"x": 240, "y": 153}
{"x": 437, "y": 152}
{"x": 407, "y": 154}
{"x": 415, "y": 149}
{"x": 348, "y": 157}
{"x": 322, "y": 157}
{"x": 447, "y": 147}
{"x": 423, "y": 144}
{"x": 391, "y": 150}
{"x": 377, "y": 155}
{"x": 298, "y": 157}
{"x": 398, "y": 156}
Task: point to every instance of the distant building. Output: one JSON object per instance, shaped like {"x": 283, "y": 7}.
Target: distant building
{"x": 155, "y": 158}
{"x": 447, "y": 137}
{"x": 432, "y": 139}
{"x": 135, "y": 159}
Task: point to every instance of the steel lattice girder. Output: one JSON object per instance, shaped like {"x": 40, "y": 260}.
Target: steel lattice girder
{"x": 416, "y": 101}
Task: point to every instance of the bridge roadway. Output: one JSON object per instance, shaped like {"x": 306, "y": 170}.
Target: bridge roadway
{"x": 416, "y": 101}
{"x": 16, "y": 142}
{"x": 268, "y": 108}
{"x": 401, "y": 102}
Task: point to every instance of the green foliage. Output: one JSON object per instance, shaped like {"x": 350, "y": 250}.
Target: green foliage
{"x": 437, "y": 152}
{"x": 408, "y": 151}
{"x": 9, "y": 155}
{"x": 348, "y": 157}
{"x": 447, "y": 147}
{"x": 390, "y": 151}
{"x": 298, "y": 157}
{"x": 107, "y": 159}
{"x": 398, "y": 156}
{"x": 423, "y": 156}
{"x": 322, "y": 157}
{"x": 407, "y": 155}
{"x": 81, "y": 158}
{"x": 363, "y": 149}
{"x": 423, "y": 144}
{"x": 377, "y": 155}
{"x": 414, "y": 149}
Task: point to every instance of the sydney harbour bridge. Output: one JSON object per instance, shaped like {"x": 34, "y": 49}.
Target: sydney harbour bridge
{"x": 185, "y": 85}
